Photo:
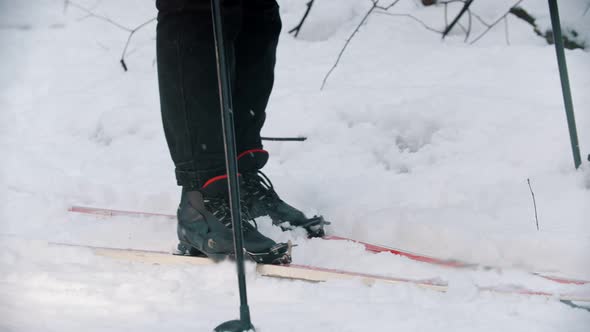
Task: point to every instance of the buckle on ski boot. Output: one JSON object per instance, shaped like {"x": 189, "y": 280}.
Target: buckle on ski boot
{"x": 279, "y": 254}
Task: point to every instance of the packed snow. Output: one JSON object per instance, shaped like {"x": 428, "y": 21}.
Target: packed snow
{"x": 414, "y": 143}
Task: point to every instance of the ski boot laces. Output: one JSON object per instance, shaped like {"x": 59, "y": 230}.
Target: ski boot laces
{"x": 259, "y": 188}
{"x": 220, "y": 209}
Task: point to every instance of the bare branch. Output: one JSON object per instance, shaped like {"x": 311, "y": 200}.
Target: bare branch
{"x": 388, "y": 6}
{"x": 534, "y": 203}
{"x": 495, "y": 22}
{"x": 481, "y": 20}
{"x": 413, "y": 18}
{"x": 470, "y": 23}
{"x": 122, "y": 61}
{"x": 464, "y": 9}
{"x": 97, "y": 16}
{"x": 458, "y": 17}
{"x": 297, "y": 28}
{"x": 356, "y": 30}
{"x": 383, "y": 10}
{"x": 131, "y": 31}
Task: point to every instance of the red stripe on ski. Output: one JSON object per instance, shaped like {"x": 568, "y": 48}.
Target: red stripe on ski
{"x": 562, "y": 280}
{"x": 417, "y": 257}
{"x": 368, "y": 246}
{"x": 448, "y": 263}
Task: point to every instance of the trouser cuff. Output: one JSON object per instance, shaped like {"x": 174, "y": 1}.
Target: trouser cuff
{"x": 194, "y": 180}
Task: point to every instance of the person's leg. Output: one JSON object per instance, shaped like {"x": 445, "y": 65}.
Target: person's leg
{"x": 189, "y": 94}
{"x": 189, "y": 97}
{"x": 255, "y": 50}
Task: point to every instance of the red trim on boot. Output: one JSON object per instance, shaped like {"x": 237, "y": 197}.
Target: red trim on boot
{"x": 216, "y": 178}
{"x": 251, "y": 151}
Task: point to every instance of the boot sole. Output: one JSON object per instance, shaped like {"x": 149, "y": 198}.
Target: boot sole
{"x": 279, "y": 254}
{"x": 186, "y": 249}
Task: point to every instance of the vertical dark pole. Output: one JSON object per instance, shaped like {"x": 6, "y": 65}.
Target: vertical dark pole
{"x": 565, "y": 83}
{"x": 227, "y": 121}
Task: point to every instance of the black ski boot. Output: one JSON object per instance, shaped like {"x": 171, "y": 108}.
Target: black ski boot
{"x": 204, "y": 227}
{"x": 262, "y": 200}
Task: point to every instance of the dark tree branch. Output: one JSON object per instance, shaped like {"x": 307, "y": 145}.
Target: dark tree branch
{"x": 547, "y": 35}
{"x": 458, "y": 17}
{"x": 297, "y": 28}
{"x": 448, "y": 28}
{"x": 523, "y": 15}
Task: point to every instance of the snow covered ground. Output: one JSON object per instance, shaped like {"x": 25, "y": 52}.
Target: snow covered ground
{"x": 413, "y": 143}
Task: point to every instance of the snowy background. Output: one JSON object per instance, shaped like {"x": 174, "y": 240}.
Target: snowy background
{"x": 414, "y": 142}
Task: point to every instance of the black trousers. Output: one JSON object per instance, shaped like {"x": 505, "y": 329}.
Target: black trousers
{"x": 187, "y": 75}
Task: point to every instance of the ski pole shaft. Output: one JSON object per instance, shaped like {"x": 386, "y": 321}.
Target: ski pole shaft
{"x": 565, "y": 83}
{"x": 230, "y": 154}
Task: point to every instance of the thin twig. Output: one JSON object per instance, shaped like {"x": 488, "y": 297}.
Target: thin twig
{"x": 97, "y": 16}
{"x": 388, "y": 6}
{"x": 122, "y": 61}
{"x": 495, "y": 22}
{"x": 356, "y": 30}
{"x": 534, "y": 203}
{"x": 131, "y": 31}
{"x": 297, "y": 28}
{"x": 470, "y": 23}
{"x": 413, "y": 18}
{"x": 481, "y": 20}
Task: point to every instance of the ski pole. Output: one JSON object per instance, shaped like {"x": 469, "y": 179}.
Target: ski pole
{"x": 565, "y": 83}
{"x": 227, "y": 123}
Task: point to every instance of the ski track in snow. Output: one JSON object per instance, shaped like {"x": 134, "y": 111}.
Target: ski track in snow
{"x": 413, "y": 143}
